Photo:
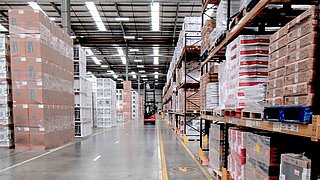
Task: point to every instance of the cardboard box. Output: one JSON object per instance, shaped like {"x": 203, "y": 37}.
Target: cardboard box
{"x": 295, "y": 166}
{"x": 21, "y": 115}
{"x": 278, "y": 63}
{"x": 302, "y": 53}
{"x": 304, "y": 29}
{"x": 22, "y": 137}
{"x": 278, "y": 101}
{"x": 273, "y": 93}
{"x": 280, "y": 33}
{"x": 278, "y": 44}
{"x": 300, "y": 77}
{"x": 276, "y": 73}
{"x": 303, "y": 41}
{"x": 18, "y": 46}
{"x": 299, "y": 66}
{"x": 275, "y": 83}
{"x": 306, "y": 16}
{"x": 278, "y": 54}
{"x": 304, "y": 88}
{"x": 305, "y": 100}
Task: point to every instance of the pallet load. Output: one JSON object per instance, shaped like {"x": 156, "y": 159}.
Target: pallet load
{"x": 119, "y": 95}
{"x": 6, "y": 123}
{"x": 212, "y": 96}
{"x": 135, "y": 105}
{"x": 292, "y": 67}
{"x": 237, "y": 154}
{"x": 216, "y": 146}
{"x": 205, "y": 79}
{"x": 295, "y": 167}
{"x": 208, "y": 27}
{"x": 193, "y": 102}
{"x": 127, "y": 101}
{"x": 83, "y": 95}
{"x": 42, "y": 66}
{"x": 244, "y": 73}
{"x": 91, "y": 78}
{"x": 106, "y": 102}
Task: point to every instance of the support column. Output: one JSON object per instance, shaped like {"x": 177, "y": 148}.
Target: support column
{"x": 127, "y": 63}
{"x": 65, "y": 16}
{"x": 139, "y": 97}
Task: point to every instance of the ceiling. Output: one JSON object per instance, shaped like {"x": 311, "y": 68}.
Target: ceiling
{"x": 103, "y": 43}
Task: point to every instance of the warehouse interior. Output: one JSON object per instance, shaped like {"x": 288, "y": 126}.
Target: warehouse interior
{"x": 160, "y": 89}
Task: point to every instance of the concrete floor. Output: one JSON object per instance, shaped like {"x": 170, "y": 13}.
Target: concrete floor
{"x": 129, "y": 151}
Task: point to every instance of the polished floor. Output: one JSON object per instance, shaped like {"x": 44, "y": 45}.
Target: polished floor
{"x": 128, "y": 151}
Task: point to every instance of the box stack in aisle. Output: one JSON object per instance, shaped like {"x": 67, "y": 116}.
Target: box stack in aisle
{"x": 295, "y": 167}
{"x": 244, "y": 73}
{"x": 119, "y": 95}
{"x": 292, "y": 62}
{"x": 83, "y": 95}
{"x": 106, "y": 102}
{"x": 93, "y": 80}
{"x": 6, "y": 123}
{"x": 216, "y": 146}
{"x": 42, "y": 77}
{"x": 127, "y": 101}
{"x": 135, "y": 105}
{"x": 237, "y": 153}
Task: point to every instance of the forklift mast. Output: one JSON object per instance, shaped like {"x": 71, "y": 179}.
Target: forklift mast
{"x": 149, "y": 103}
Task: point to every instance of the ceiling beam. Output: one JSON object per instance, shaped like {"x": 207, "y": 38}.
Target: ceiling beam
{"x": 121, "y": 24}
{"x": 175, "y": 24}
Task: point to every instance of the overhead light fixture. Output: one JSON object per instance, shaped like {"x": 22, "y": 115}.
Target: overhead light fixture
{"x": 115, "y": 76}
{"x": 143, "y": 75}
{"x": 89, "y": 52}
{"x": 155, "y": 51}
{"x": 95, "y": 15}
{"x": 132, "y": 72}
{"x": 122, "y": 19}
{"x": 120, "y": 51}
{"x": 134, "y": 76}
{"x": 104, "y": 66}
{"x": 134, "y": 50}
{"x": 129, "y": 37}
{"x": 140, "y": 66}
{"x": 72, "y": 37}
{"x": 96, "y": 60}
{"x": 155, "y": 16}
{"x": 156, "y": 80}
{"x": 140, "y": 38}
{"x": 110, "y": 71}
{"x": 156, "y": 76}
{"x": 157, "y": 84}
{"x": 137, "y": 60}
{"x": 145, "y": 79}
{"x": 119, "y": 79}
{"x": 156, "y": 60}
{"x": 142, "y": 71}
{"x": 2, "y": 28}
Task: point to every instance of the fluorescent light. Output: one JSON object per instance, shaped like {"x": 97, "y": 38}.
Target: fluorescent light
{"x": 110, "y": 71}
{"x": 140, "y": 66}
{"x": 120, "y": 79}
{"x": 157, "y": 84}
{"x": 137, "y": 60}
{"x": 124, "y": 60}
{"x": 134, "y": 50}
{"x": 156, "y": 60}
{"x": 145, "y": 79}
{"x": 143, "y": 75}
{"x": 140, "y": 38}
{"x": 115, "y": 76}
{"x": 156, "y": 80}
{"x": 156, "y": 72}
{"x": 155, "y": 16}
{"x": 2, "y": 28}
{"x": 134, "y": 76}
{"x": 95, "y": 59}
{"x": 156, "y": 76}
{"x": 155, "y": 51}
{"x": 142, "y": 71}
{"x": 72, "y": 37}
{"x": 122, "y": 19}
{"x": 132, "y": 72}
{"x": 104, "y": 66}
{"x": 129, "y": 37}
{"x": 89, "y": 52}
{"x": 95, "y": 15}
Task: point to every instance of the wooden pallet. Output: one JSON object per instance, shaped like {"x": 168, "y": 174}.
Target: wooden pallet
{"x": 204, "y": 161}
{"x": 232, "y": 113}
{"x": 247, "y": 115}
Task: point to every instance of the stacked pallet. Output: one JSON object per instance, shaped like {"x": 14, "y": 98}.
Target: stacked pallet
{"x": 135, "y": 105}
{"x": 206, "y": 94}
{"x": 106, "y": 102}
{"x": 193, "y": 100}
{"x": 127, "y": 101}
{"x": 119, "y": 95}
{"x": 6, "y": 123}
{"x": 237, "y": 154}
{"x": 245, "y": 71}
{"x": 42, "y": 66}
{"x": 91, "y": 78}
{"x": 216, "y": 146}
{"x": 83, "y": 95}
{"x": 292, "y": 62}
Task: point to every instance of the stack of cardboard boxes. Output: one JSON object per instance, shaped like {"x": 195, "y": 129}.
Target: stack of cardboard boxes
{"x": 127, "y": 107}
{"x": 205, "y": 79}
{"x": 193, "y": 100}
{"x": 6, "y": 123}
{"x": 135, "y": 105}
{"x": 119, "y": 95}
{"x": 295, "y": 166}
{"x": 83, "y": 95}
{"x": 106, "y": 102}
{"x": 92, "y": 80}
{"x": 42, "y": 78}
{"x": 208, "y": 27}
{"x": 216, "y": 146}
{"x": 292, "y": 62}
{"x": 237, "y": 153}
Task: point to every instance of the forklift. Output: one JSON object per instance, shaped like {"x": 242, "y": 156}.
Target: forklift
{"x": 149, "y": 104}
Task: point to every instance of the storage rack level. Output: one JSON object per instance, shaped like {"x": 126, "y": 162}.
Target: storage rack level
{"x": 261, "y": 16}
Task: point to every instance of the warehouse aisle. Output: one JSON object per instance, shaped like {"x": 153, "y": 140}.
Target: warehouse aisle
{"x": 128, "y": 151}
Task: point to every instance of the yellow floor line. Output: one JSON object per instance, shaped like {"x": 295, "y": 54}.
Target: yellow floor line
{"x": 194, "y": 159}
{"x": 163, "y": 158}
